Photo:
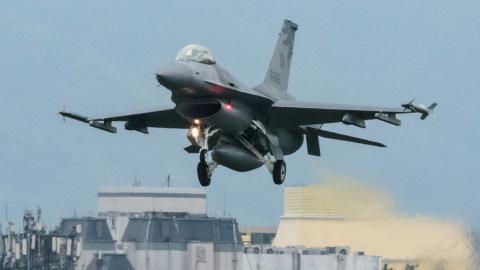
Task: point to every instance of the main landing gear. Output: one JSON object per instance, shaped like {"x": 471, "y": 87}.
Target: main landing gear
{"x": 279, "y": 172}
{"x": 203, "y": 175}
{"x": 205, "y": 169}
{"x": 274, "y": 163}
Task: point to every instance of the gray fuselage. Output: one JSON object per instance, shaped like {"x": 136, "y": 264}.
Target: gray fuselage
{"x": 210, "y": 95}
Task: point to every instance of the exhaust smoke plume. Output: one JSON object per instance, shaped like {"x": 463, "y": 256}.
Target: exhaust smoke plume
{"x": 345, "y": 212}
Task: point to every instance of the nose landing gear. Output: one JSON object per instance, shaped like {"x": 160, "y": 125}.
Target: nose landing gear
{"x": 199, "y": 136}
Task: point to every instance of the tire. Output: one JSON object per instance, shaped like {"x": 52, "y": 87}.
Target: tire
{"x": 279, "y": 172}
{"x": 202, "y": 172}
{"x": 203, "y": 156}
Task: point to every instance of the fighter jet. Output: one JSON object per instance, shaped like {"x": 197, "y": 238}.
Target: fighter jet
{"x": 240, "y": 127}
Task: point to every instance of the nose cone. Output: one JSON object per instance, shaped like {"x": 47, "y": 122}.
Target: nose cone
{"x": 174, "y": 76}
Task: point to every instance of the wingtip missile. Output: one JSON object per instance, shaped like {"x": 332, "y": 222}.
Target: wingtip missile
{"x": 74, "y": 116}
{"x": 106, "y": 125}
{"x": 425, "y": 111}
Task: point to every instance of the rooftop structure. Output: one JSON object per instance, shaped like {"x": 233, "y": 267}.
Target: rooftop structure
{"x": 110, "y": 261}
{"x": 130, "y": 201}
{"x": 258, "y": 235}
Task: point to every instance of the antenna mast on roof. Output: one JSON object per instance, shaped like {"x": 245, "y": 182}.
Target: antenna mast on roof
{"x": 224, "y": 206}
{"x": 169, "y": 180}
{"x": 136, "y": 182}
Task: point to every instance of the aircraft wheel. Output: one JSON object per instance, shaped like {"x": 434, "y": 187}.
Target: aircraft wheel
{"x": 202, "y": 172}
{"x": 203, "y": 156}
{"x": 279, "y": 172}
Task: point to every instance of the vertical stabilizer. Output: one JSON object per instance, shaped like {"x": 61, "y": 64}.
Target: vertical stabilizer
{"x": 276, "y": 79}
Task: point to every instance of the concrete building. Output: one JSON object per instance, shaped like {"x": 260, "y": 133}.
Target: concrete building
{"x": 156, "y": 228}
{"x": 84, "y": 240}
{"x": 118, "y": 204}
{"x": 164, "y": 228}
{"x": 110, "y": 261}
{"x": 296, "y": 258}
{"x": 130, "y": 201}
{"x": 183, "y": 243}
{"x": 258, "y": 235}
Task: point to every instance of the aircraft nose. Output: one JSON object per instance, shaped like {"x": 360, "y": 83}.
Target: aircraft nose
{"x": 175, "y": 75}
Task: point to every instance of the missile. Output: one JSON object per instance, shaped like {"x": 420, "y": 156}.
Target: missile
{"x": 425, "y": 111}
{"x": 74, "y": 116}
{"x": 106, "y": 125}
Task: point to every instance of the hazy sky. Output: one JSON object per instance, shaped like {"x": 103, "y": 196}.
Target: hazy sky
{"x": 98, "y": 58}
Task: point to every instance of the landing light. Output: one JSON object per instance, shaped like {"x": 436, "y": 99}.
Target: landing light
{"x": 196, "y": 121}
{"x": 228, "y": 107}
{"x": 195, "y": 131}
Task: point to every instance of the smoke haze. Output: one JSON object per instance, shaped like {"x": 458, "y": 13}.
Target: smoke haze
{"x": 346, "y": 212}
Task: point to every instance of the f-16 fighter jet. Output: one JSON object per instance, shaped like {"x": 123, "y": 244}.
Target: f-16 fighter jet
{"x": 243, "y": 128}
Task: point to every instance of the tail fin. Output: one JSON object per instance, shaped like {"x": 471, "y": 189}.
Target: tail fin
{"x": 279, "y": 68}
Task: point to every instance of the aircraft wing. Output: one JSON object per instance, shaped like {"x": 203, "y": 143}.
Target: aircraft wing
{"x": 295, "y": 113}
{"x": 139, "y": 121}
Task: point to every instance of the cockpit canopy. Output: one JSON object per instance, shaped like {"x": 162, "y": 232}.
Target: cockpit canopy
{"x": 196, "y": 53}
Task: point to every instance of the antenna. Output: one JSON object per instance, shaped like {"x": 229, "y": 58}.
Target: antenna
{"x": 136, "y": 182}
{"x": 62, "y": 113}
{"x": 224, "y": 205}
{"x": 6, "y": 212}
{"x": 169, "y": 180}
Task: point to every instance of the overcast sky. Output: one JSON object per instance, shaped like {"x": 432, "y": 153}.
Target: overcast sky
{"x": 98, "y": 58}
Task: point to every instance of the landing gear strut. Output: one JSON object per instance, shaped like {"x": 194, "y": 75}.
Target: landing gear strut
{"x": 203, "y": 156}
{"x": 279, "y": 172}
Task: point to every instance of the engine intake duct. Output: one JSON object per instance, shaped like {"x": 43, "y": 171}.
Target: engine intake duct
{"x": 230, "y": 117}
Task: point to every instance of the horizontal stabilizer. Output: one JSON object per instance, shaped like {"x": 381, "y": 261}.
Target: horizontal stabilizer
{"x": 342, "y": 137}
